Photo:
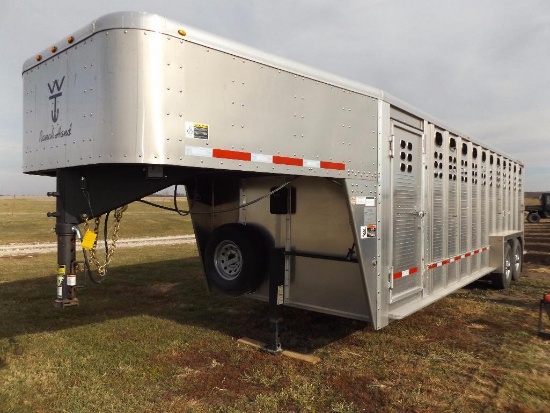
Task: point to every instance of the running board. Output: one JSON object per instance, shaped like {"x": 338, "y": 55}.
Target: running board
{"x": 402, "y": 312}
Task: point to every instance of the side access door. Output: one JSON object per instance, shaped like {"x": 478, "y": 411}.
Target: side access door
{"x": 407, "y": 213}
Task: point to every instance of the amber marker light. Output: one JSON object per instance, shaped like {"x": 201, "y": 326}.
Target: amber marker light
{"x": 182, "y": 32}
{"x": 53, "y": 49}
{"x": 38, "y": 58}
{"x": 70, "y": 39}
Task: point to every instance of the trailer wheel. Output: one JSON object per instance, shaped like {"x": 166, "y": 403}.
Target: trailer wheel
{"x": 502, "y": 281}
{"x": 517, "y": 260}
{"x": 533, "y": 217}
{"x": 235, "y": 259}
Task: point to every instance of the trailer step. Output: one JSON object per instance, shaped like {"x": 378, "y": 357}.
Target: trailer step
{"x": 402, "y": 312}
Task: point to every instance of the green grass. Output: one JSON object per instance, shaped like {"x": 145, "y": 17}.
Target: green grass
{"x": 152, "y": 339}
{"x": 23, "y": 219}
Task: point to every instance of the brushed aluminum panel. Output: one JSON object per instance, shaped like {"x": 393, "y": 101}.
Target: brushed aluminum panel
{"x": 320, "y": 225}
{"x": 484, "y": 237}
{"x": 475, "y": 211}
{"x": 150, "y": 23}
{"x": 407, "y": 178}
{"x": 438, "y": 241}
{"x": 452, "y": 216}
{"x": 132, "y": 92}
{"x": 491, "y": 194}
{"x": 499, "y": 227}
{"x": 464, "y": 222}
{"x": 329, "y": 287}
{"x": 131, "y": 84}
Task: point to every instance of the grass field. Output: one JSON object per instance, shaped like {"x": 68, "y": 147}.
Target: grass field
{"x": 151, "y": 339}
{"x": 23, "y": 219}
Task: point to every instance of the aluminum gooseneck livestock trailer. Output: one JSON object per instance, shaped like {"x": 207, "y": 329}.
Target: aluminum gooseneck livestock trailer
{"x": 366, "y": 207}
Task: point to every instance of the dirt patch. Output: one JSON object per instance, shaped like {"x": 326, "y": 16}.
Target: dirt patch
{"x": 217, "y": 378}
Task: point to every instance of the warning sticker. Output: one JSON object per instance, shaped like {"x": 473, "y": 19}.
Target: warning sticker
{"x": 368, "y": 231}
{"x": 71, "y": 280}
{"x": 363, "y": 200}
{"x": 196, "y": 130}
{"x": 60, "y": 279}
{"x": 369, "y": 215}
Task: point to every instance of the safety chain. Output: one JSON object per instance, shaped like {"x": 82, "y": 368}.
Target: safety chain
{"x": 102, "y": 268}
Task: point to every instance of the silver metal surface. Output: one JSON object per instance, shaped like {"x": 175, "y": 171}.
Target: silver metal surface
{"x": 407, "y": 208}
{"x": 374, "y": 175}
{"x": 320, "y": 225}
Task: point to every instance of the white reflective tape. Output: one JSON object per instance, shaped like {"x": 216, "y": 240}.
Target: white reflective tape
{"x": 260, "y": 157}
{"x": 308, "y": 163}
{"x": 198, "y": 151}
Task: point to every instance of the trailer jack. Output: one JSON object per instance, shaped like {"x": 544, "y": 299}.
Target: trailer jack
{"x": 276, "y": 299}
{"x": 66, "y": 269}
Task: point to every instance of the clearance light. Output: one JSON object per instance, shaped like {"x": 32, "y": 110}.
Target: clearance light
{"x": 70, "y": 39}
{"x": 182, "y": 32}
{"x": 38, "y": 58}
{"x": 546, "y": 297}
{"x": 53, "y": 49}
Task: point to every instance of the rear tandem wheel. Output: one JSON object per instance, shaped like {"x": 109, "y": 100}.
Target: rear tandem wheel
{"x": 503, "y": 280}
{"x": 517, "y": 259}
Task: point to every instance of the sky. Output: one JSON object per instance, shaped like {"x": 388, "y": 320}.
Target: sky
{"x": 481, "y": 66}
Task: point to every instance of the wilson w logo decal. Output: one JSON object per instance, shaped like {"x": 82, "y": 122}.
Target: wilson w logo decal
{"x": 53, "y": 88}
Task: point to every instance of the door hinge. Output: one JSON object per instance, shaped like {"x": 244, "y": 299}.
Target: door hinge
{"x": 392, "y": 146}
{"x": 390, "y": 277}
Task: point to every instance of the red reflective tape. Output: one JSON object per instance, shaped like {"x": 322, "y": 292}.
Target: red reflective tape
{"x": 458, "y": 257}
{"x": 283, "y": 160}
{"x": 235, "y": 155}
{"x": 400, "y": 274}
{"x": 333, "y": 165}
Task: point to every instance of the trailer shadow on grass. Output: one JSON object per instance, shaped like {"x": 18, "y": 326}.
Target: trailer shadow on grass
{"x": 171, "y": 289}
{"x": 522, "y": 294}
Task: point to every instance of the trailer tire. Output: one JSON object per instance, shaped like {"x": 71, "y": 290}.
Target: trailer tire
{"x": 533, "y": 217}
{"x": 235, "y": 259}
{"x": 503, "y": 280}
{"x": 517, "y": 259}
